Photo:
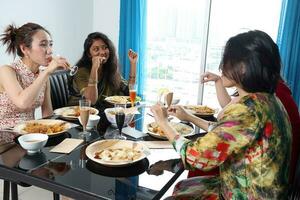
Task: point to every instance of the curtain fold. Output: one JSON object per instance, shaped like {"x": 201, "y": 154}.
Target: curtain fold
{"x": 288, "y": 41}
{"x": 132, "y": 35}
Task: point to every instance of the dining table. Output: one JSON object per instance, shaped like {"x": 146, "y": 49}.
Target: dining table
{"x": 75, "y": 175}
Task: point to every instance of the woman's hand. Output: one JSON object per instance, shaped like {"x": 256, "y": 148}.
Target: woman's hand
{"x": 160, "y": 114}
{"x": 179, "y": 112}
{"x": 133, "y": 56}
{"x": 208, "y": 76}
{"x": 56, "y": 62}
{"x": 98, "y": 61}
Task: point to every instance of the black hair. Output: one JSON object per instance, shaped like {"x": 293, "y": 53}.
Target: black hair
{"x": 253, "y": 61}
{"x": 110, "y": 69}
{"x": 13, "y": 37}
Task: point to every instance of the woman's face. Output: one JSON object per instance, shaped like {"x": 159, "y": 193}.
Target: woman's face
{"x": 99, "y": 48}
{"x": 40, "y": 52}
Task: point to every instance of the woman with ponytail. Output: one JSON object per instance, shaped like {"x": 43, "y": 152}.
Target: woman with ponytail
{"x": 23, "y": 87}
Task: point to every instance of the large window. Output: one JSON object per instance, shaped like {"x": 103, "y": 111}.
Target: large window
{"x": 186, "y": 38}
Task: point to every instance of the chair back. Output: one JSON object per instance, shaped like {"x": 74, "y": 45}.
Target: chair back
{"x": 59, "y": 89}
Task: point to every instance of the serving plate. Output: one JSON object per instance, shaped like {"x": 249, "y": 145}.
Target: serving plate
{"x": 121, "y": 99}
{"x": 109, "y": 152}
{"x": 51, "y": 127}
{"x": 200, "y": 110}
{"x": 183, "y": 129}
{"x": 72, "y": 112}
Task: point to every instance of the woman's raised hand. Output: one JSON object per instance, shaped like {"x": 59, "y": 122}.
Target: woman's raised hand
{"x": 98, "y": 61}
{"x": 208, "y": 76}
{"x": 133, "y": 56}
{"x": 179, "y": 112}
{"x": 56, "y": 62}
{"x": 160, "y": 113}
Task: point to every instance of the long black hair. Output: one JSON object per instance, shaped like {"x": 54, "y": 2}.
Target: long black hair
{"x": 253, "y": 61}
{"x": 110, "y": 70}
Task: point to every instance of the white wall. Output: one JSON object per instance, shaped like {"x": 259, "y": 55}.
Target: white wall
{"x": 69, "y": 21}
{"x": 106, "y": 18}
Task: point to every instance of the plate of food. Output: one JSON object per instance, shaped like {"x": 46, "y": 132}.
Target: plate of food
{"x": 200, "y": 110}
{"x": 116, "y": 153}
{"x": 51, "y": 127}
{"x": 183, "y": 129}
{"x": 72, "y": 112}
{"x": 121, "y": 99}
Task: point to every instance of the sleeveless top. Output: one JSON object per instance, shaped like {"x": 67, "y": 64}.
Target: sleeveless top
{"x": 10, "y": 114}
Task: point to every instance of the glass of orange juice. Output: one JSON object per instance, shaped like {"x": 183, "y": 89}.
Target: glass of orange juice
{"x": 132, "y": 93}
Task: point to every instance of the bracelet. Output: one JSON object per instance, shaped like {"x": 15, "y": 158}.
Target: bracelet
{"x": 92, "y": 81}
{"x": 92, "y": 84}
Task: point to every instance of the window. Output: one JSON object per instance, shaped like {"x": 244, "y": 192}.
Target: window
{"x": 185, "y": 38}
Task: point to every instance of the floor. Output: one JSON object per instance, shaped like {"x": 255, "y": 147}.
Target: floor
{"x": 34, "y": 193}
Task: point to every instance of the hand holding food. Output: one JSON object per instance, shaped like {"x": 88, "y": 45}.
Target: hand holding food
{"x": 179, "y": 112}
{"x": 208, "y": 76}
{"x": 133, "y": 57}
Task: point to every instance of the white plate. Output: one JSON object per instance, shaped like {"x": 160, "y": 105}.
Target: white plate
{"x": 200, "y": 110}
{"x": 121, "y": 99}
{"x": 183, "y": 129}
{"x": 114, "y": 144}
{"x": 72, "y": 112}
{"x": 20, "y": 127}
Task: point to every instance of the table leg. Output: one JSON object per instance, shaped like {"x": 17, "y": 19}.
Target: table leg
{"x": 14, "y": 191}
{"x": 55, "y": 196}
{"x": 6, "y": 188}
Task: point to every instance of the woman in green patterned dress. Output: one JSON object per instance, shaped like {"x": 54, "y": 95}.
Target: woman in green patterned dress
{"x": 251, "y": 141}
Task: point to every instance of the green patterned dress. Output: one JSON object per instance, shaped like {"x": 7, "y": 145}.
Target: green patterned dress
{"x": 251, "y": 142}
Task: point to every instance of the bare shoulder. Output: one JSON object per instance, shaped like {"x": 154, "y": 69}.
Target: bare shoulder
{"x": 6, "y": 68}
{"x": 6, "y": 71}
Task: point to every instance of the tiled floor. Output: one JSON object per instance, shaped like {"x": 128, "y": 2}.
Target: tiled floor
{"x": 34, "y": 193}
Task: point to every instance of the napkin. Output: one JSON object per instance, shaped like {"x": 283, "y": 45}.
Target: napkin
{"x": 133, "y": 132}
{"x": 67, "y": 145}
{"x": 157, "y": 144}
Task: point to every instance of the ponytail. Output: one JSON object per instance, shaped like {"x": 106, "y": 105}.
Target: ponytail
{"x": 9, "y": 38}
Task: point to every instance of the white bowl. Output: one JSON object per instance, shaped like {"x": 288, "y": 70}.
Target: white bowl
{"x": 93, "y": 122}
{"x": 33, "y": 142}
{"x": 111, "y": 117}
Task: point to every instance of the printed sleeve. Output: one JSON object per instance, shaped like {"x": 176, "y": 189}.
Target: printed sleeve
{"x": 234, "y": 131}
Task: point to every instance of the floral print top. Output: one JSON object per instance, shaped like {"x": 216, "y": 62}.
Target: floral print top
{"x": 10, "y": 115}
{"x": 251, "y": 143}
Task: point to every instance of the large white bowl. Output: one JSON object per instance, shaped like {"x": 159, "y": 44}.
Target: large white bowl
{"x": 110, "y": 115}
{"x": 33, "y": 142}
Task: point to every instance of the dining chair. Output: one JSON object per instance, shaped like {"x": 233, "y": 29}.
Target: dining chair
{"x": 60, "y": 88}
{"x": 294, "y": 193}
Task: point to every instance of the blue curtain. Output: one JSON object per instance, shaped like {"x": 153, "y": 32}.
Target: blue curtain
{"x": 133, "y": 36}
{"x": 288, "y": 41}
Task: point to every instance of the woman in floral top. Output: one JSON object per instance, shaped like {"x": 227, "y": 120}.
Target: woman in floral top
{"x": 251, "y": 141}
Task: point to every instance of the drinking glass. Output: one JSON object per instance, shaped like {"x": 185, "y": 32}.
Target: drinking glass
{"x": 132, "y": 93}
{"x": 72, "y": 69}
{"x": 84, "y": 107}
{"x": 120, "y": 119}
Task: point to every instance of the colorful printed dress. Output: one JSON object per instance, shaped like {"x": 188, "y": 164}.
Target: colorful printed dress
{"x": 251, "y": 143}
{"x": 10, "y": 115}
